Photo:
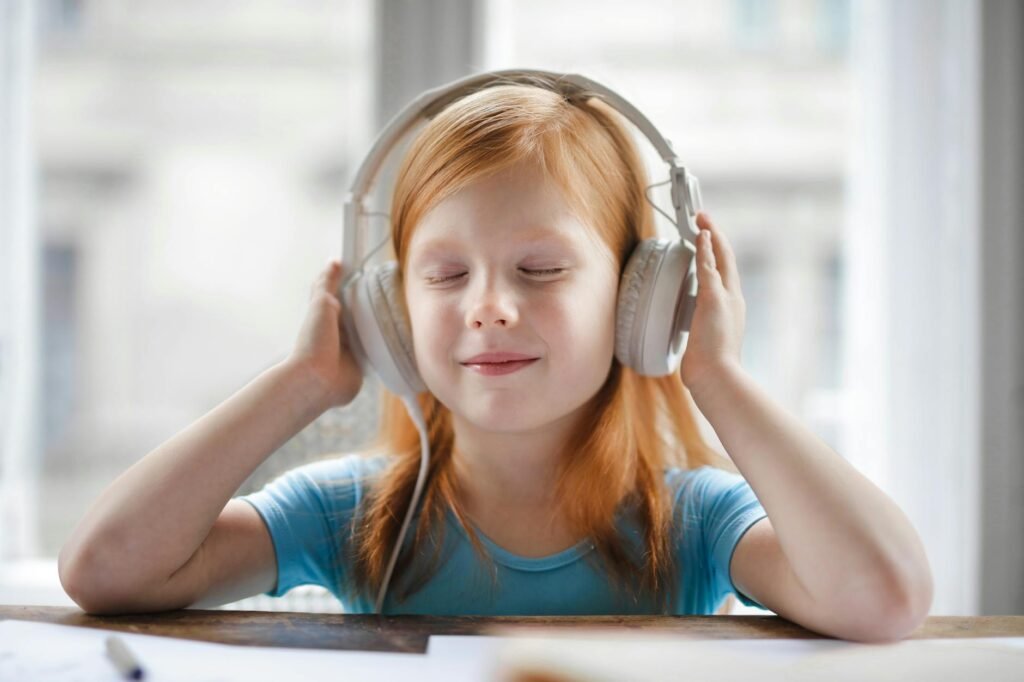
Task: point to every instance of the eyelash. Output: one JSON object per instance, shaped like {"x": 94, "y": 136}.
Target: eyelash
{"x": 543, "y": 272}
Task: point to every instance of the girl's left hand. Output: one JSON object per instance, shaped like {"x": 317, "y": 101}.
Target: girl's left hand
{"x": 716, "y": 330}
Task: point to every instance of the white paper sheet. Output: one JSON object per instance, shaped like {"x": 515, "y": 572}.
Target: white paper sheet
{"x": 650, "y": 657}
{"x": 42, "y": 651}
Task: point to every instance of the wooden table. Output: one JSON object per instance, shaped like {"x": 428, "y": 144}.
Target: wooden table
{"x": 410, "y": 633}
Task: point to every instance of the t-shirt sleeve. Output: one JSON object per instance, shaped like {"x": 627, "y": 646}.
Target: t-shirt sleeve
{"x": 726, "y": 507}
{"x": 308, "y": 512}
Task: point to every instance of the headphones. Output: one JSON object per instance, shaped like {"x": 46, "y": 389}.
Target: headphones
{"x": 657, "y": 290}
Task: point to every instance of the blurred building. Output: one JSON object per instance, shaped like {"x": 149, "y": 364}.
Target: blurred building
{"x": 193, "y": 158}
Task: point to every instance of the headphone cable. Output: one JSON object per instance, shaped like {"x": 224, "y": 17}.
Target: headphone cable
{"x": 416, "y": 414}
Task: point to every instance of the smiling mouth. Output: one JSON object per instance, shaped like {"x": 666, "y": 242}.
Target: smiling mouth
{"x": 498, "y": 368}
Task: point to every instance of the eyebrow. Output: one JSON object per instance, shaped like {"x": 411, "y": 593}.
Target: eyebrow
{"x": 538, "y": 234}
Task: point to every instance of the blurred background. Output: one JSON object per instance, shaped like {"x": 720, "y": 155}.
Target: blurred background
{"x": 172, "y": 177}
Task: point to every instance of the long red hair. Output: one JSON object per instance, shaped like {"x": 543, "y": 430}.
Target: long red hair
{"x": 635, "y": 427}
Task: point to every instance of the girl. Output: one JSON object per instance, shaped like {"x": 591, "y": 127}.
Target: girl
{"x": 561, "y": 482}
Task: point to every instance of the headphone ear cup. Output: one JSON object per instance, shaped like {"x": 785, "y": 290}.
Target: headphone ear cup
{"x": 657, "y": 294}
{"x": 376, "y": 313}
{"x": 631, "y": 289}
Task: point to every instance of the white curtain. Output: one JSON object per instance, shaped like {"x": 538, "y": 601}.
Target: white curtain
{"x": 922, "y": 331}
{"x": 19, "y": 277}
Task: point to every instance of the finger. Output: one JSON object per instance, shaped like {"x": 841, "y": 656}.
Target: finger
{"x": 332, "y": 275}
{"x": 707, "y": 271}
{"x": 327, "y": 280}
{"x": 724, "y": 256}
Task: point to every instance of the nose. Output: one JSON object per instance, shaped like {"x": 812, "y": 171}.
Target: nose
{"x": 492, "y": 306}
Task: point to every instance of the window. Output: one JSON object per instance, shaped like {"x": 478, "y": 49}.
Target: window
{"x": 192, "y": 164}
{"x": 756, "y": 24}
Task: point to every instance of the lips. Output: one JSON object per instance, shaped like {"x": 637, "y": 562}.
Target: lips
{"x": 496, "y": 357}
{"x": 499, "y": 362}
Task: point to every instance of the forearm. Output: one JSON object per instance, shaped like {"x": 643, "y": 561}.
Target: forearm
{"x": 154, "y": 516}
{"x": 841, "y": 534}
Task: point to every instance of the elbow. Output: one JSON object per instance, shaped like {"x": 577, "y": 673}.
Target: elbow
{"x": 891, "y": 622}
{"x": 899, "y": 609}
{"x": 908, "y": 601}
{"x": 102, "y": 585}
{"x": 78, "y": 584}
{"x": 96, "y": 591}
{"x": 69, "y": 571}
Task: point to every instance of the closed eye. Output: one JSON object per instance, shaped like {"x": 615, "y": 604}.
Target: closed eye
{"x": 543, "y": 272}
{"x": 547, "y": 272}
{"x": 443, "y": 279}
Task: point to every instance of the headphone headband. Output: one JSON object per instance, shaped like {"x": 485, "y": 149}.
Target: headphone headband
{"x": 685, "y": 190}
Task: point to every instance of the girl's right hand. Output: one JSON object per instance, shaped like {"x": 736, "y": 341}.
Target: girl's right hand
{"x": 321, "y": 346}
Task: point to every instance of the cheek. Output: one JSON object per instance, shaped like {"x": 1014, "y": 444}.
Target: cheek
{"x": 432, "y": 330}
{"x": 584, "y": 324}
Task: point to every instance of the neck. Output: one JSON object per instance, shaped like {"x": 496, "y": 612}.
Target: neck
{"x": 510, "y": 470}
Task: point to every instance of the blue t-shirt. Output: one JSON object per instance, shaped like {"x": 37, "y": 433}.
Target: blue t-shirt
{"x": 309, "y": 510}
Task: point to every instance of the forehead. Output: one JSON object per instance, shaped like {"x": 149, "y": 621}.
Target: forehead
{"x": 509, "y": 208}
{"x": 535, "y": 236}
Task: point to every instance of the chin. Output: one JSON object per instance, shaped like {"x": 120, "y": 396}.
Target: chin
{"x": 498, "y": 419}
{"x": 495, "y": 415}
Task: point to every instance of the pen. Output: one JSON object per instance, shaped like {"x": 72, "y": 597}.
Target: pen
{"x": 123, "y": 660}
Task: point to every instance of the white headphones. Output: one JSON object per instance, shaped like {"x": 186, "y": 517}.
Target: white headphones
{"x": 657, "y": 291}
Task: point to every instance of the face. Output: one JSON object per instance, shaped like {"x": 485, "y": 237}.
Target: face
{"x": 512, "y": 304}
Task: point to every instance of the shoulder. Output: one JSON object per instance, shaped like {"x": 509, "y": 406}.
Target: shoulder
{"x": 345, "y": 469}
{"x": 711, "y": 498}
{"x": 334, "y": 484}
{"x": 716, "y": 504}
{"x": 703, "y": 483}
